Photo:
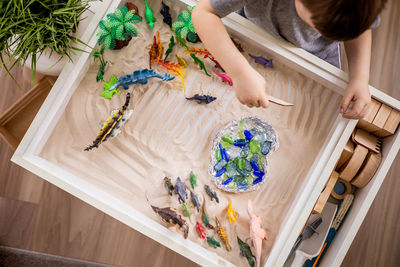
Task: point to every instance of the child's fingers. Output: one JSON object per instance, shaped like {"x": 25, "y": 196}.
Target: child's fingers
{"x": 357, "y": 111}
{"x": 264, "y": 103}
{"x": 345, "y": 103}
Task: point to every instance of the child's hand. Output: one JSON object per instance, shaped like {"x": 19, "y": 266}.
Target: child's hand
{"x": 358, "y": 92}
{"x": 250, "y": 88}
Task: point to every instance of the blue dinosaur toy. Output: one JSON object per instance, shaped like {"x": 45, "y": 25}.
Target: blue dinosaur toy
{"x": 139, "y": 76}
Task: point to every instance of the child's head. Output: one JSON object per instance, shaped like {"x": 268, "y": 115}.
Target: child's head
{"x": 339, "y": 19}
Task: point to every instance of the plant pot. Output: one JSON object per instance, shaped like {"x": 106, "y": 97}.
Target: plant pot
{"x": 120, "y": 44}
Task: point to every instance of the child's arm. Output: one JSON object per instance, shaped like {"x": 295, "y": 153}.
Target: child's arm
{"x": 358, "y": 55}
{"x": 249, "y": 85}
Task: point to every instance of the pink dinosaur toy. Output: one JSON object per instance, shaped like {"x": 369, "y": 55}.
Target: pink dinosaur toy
{"x": 257, "y": 233}
{"x": 224, "y": 77}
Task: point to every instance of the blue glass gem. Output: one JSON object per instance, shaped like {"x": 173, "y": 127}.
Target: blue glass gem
{"x": 259, "y": 174}
{"x": 240, "y": 142}
{"x": 242, "y": 186}
{"x": 220, "y": 164}
{"x": 248, "y": 166}
{"x": 227, "y": 181}
{"x": 220, "y": 149}
{"x": 225, "y": 155}
{"x": 220, "y": 172}
{"x": 248, "y": 134}
{"x": 256, "y": 181}
{"x": 255, "y": 165}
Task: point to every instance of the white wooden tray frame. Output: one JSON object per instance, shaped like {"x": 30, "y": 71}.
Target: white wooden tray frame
{"x": 27, "y": 152}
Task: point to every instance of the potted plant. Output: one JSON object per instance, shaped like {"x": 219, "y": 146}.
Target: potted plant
{"x": 118, "y": 29}
{"x": 33, "y": 29}
{"x": 184, "y": 26}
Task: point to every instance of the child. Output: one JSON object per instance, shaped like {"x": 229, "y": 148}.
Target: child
{"x": 315, "y": 25}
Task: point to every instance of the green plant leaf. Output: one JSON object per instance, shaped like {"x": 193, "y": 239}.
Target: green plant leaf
{"x": 130, "y": 29}
{"x": 183, "y": 32}
{"x": 129, "y": 15}
{"x": 136, "y": 19}
{"x": 109, "y": 42}
{"x": 118, "y": 14}
{"x": 118, "y": 34}
{"x": 178, "y": 24}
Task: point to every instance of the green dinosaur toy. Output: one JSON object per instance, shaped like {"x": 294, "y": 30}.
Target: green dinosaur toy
{"x": 213, "y": 242}
{"x": 193, "y": 180}
{"x": 170, "y": 47}
{"x": 200, "y": 63}
{"x": 107, "y": 85}
{"x": 148, "y": 14}
{"x": 181, "y": 40}
{"x": 186, "y": 210}
{"x": 245, "y": 251}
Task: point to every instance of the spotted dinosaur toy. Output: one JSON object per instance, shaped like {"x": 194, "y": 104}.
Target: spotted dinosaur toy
{"x": 139, "y": 76}
{"x": 148, "y": 14}
{"x": 170, "y": 47}
{"x": 193, "y": 180}
{"x": 202, "y": 98}
{"x": 222, "y": 234}
{"x": 181, "y": 61}
{"x": 107, "y": 85}
{"x": 180, "y": 189}
{"x": 111, "y": 125}
{"x": 199, "y": 62}
{"x": 257, "y": 233}
{"x": 165, "y": 13}
{"x": 224, "y": 77}
{"x": 170, "y": 216}
{"x": 153, "y": 52}
{"x": 185, "y": 209}
{"x": 263, "y": 61}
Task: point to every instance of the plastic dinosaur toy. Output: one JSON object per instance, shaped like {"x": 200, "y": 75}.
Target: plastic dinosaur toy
{"x": 224, "y": 77}
{"x": 165, "y": 13}
{"x": 204, "y": 217}
{"x": 199, "y": 62}
{"x": 170, "y": 216}
{"x": 211, "y": 193}
{"x": 263, "y": 61}
{"x": 238, "y": 45}
{"x": 168, "y": 185}
{"x": 110, "y": 125}
{"x": 170, "y": 47}
{"x": 203, "y": 52}
{"x": 181, "y": 61}
{"x": 245, "y": 251}
{"x": 181, "y": 41}
{"x": 153, "y": 52}
{"x": 193, "y": 180}
{"x": 186, "y": 210}
{"x": 257, "y": 233}
{"x": 200, "y": 230}
{"x": 231, "y": 213}
{"x": 195, "y": 201}
{"x": 107, "y": 85}
{"x": 202, "y": 98}
{"x": 132, "y": 6}
{"x": 180, "y": 189}
{"x": 159, "y": 46}
{"x": 222, "y": 234}
{"x": 175, "y": 69}
{"x": 212, "y": 242}
{"x": 148, "y": 14}
{"x": 139, "y": 76}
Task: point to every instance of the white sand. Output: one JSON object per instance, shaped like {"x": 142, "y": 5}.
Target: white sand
{"x": 170, "y": 136}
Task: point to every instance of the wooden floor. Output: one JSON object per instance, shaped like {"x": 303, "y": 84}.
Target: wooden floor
{"x": 38, "y": 216}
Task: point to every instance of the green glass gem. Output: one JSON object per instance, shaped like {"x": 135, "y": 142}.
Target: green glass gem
{"x": 217, "y": 154}
{"x": 241, "y": 135}
{"x": 261, "y": 162}
{"x": 254, "y": 146}
{"x": 241, "y": 164}
{"x": 249, "y": 179}
{"x": 225, "y": 144}
{"x": 241, "y": 126}
{"x": 228, "y": 140}
{"x": 232, "y": 185}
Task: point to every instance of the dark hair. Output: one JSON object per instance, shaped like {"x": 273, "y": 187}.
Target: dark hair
{"x": 343, "y": 20}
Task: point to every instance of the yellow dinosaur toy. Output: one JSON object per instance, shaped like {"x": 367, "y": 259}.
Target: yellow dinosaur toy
{"x": 231, "y": 213}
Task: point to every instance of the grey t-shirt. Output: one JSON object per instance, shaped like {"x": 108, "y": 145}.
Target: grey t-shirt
{"x": 280, "y": 19}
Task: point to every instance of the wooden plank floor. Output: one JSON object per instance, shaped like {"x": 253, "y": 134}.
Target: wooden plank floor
{"x": 38, "y": 216}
